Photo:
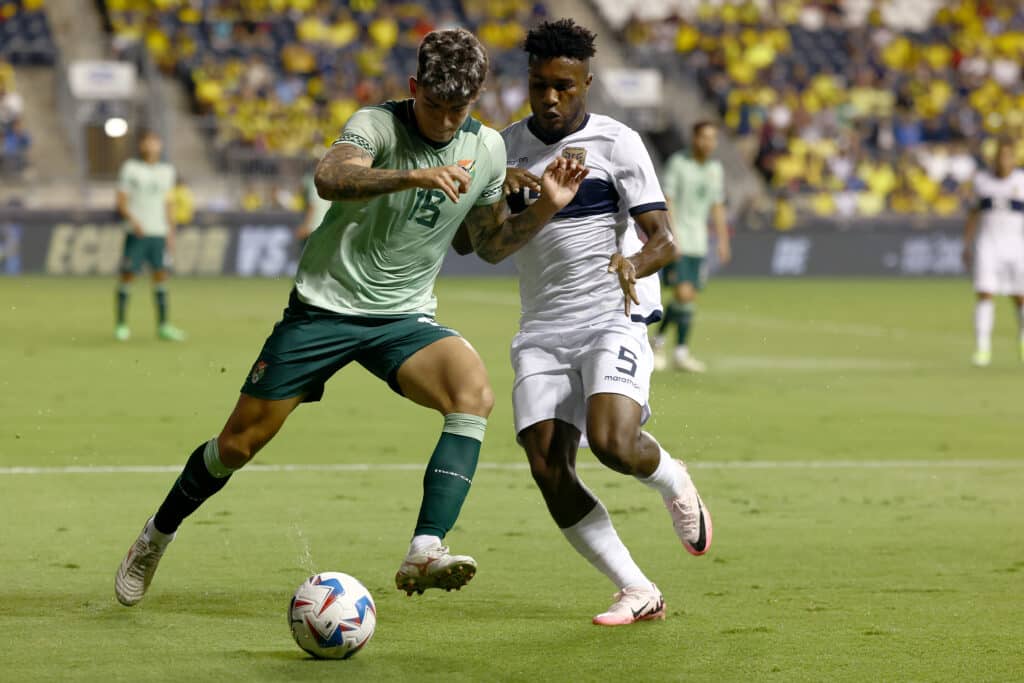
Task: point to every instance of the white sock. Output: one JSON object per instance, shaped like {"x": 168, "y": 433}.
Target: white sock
{"x": 682, "y": 351}
{"x": 668, "y": 479}
{"x": 155, "y": 536}
{"x": 423, "y": 541}
{"x": 595, "y": 539}
{"x": 984, "y": 319}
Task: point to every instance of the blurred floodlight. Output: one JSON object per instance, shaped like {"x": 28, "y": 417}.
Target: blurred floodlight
{"x": 115, "y": 127}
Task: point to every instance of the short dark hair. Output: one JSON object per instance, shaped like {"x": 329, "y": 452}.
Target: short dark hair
{"x": 562, "y": 38}
{"x": 701, "y": 125}
{"x": 452, "y": 64}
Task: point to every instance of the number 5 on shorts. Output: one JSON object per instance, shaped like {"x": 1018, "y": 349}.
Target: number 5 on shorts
{"x": 629, "y": 357}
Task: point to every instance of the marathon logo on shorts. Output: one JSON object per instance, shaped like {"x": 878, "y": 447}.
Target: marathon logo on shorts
{"x": 576, "y": 154}
{"x": 621, "y": 380}
{"x": 258, "y": 371}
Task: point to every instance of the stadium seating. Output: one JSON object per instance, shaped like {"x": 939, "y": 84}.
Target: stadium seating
{"x": 25, "y": 36}
{"x": 276, "y": 80}
{"x": 848, "y": 108}
{"x": 14, "y": 140}
{"x": 25, "y": 40}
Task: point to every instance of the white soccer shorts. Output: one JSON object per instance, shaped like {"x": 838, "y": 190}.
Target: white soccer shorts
{"x": 556, "y": 372}
{"x": 999, "y": 265}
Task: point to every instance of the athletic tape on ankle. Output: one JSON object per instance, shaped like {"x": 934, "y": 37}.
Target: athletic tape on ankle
{"x": 462, "y": 424}
{"x": 211, "y": 458}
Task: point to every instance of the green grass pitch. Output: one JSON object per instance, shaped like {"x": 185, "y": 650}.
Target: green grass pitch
{"x": 865, "y": 483}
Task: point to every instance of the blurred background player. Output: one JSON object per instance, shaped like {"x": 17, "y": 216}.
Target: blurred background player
{"x": 996, "y": 217}
{"x": 581, "y": 357}
{"x": 144, "y": 200}
{"x": 694, "y": 185}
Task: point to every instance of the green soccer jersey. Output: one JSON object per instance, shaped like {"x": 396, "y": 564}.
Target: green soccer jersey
{"x": 147, "y": 187}
{"x": 380, "y": 257}
{"x": 319, "y": 204}
{"x": 693, "y": 188}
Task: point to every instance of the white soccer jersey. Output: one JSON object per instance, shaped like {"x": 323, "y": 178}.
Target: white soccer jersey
{"x": 563, "y": 271}
{"x": 1001, "y": 202}
{"x": 999, "y": 254}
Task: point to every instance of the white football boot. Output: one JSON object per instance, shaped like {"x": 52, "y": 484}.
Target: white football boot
{"x": 684, "y": 361}
{"x": 633, "y": 604}
{"x": 690, "y": 517}
{"x": 434, "y": 568}
{"x": 138, "y": 567}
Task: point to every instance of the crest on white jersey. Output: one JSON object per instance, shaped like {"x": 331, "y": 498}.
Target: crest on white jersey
{"x": 578, "y": 154}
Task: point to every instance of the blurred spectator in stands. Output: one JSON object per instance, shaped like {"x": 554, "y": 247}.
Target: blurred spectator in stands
{"x": 16, "y": 142}
{"x": 11, "y": 104}
{"x": 252, "y": 198}
{"x": 806, "y": 80}
{"x": 183, "y": 203}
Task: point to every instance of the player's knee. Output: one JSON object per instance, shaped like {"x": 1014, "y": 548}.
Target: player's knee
{"x": 474, "y": 398}
{"x": 546, "y": 474}
{"x": 614, "y": 447}
{"x": 238, "y": 447}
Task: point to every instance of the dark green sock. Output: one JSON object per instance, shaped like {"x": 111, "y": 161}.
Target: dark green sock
{"x": 449, "y": 473}
{"x": 160, "y": 293}
{"x": 122, "y": 302}
{"x": 204, "y": 474}
{"x": 666, "y": 319}
{"x": 685, "y": 317}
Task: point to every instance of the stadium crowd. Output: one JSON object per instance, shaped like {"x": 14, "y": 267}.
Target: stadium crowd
{"x": 279, "y": 78}
{"x": 25, "y": 39}
{"x": 850, "y": 108}
{"x": 14, "y": 139}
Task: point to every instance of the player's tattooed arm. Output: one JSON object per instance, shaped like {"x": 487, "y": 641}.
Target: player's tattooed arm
{"x": 495, "y": 234}
{"x": 345, "y": 174}
{"x": 461, "y": 242}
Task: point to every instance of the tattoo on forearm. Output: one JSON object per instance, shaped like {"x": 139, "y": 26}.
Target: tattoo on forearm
{"x": 495, "y": 235}
{"x": 338, "y": 178}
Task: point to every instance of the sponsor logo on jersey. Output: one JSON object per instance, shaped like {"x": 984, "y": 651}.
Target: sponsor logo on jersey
{"x": 467, "y": 165}
{"x": 522, "y": 161}
{"x": 576, "y": 154}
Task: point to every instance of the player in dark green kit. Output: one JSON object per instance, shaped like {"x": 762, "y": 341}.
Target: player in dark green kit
{"x": 404, "y": 178}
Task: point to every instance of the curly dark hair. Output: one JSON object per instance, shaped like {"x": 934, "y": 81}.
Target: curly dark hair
{"x": 452, "y": 63}
{"x": 562, "y": 38}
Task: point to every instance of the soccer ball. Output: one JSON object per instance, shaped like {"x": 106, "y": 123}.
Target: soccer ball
{"x": 332, "y": 615}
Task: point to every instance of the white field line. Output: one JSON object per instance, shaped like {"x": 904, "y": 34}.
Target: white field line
{"x": 403, "y": 467}
{"x": 811, "y": 363}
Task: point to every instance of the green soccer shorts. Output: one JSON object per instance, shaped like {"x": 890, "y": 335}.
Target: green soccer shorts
{"x": 142, "y": 250}
{"x": 310, "y": 344}
{"x": 686, "y": 269}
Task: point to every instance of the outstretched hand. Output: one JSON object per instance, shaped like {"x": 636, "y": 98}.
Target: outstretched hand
{"x": 452, "y": 180}
{"x": 561, "y": 180}
{"x": 518, "y": 178}
{"x": 626, "y": 271}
